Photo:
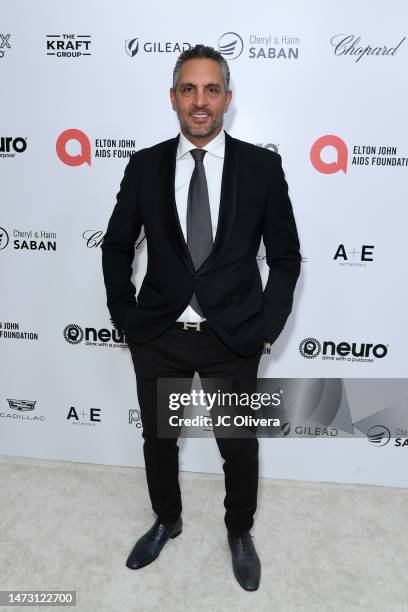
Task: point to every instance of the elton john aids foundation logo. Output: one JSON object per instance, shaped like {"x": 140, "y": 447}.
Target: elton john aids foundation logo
{"x": 81, "y": 139}
{"x": 74, "y": 148}
{"x": 326, "y": 161}
{"x": 341, "y": 156}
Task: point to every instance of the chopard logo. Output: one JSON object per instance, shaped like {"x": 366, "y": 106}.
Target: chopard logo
{"x": 349, "y": 44}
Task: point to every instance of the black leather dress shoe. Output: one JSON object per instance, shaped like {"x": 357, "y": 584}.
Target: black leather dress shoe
{"x": 149, "y": 546}
{"x": 245, "y": 561}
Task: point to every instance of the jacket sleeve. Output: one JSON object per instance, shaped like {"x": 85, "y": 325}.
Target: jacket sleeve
{"x": 118, "y": 246}
{"x": 282, "y": 254}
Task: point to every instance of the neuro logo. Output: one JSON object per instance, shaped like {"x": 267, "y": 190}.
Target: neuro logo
{"x": 4, "y": 238}
{"x": 74, "y": 334}
{"x": 378, "y": 435}
{"x": 84, "y": 157}
{"x": 310, "y": 348}
{"x": 340, "y": 163}
{"x": 230, "y": 45}
{"x": 11, "y": 144}
{"x": 92, "y": 336}
{"x": 132, "y": 47}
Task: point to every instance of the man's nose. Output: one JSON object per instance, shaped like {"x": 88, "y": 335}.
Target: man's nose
{"x": 200, "y": 97}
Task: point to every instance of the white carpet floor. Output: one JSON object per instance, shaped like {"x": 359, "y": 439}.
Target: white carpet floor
{"x": 323, "y": 547}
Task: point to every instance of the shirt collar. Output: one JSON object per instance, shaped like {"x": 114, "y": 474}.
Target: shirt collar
{"x": 216, "y": 146}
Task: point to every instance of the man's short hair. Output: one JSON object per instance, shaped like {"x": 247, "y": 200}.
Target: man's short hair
{"x": 202, "y": 52}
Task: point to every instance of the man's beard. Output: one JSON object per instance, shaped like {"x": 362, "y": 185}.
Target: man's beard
{"x": 199, "y": 132}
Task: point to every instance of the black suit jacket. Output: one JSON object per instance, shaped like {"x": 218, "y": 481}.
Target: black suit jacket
{"x": 254, "y": 203}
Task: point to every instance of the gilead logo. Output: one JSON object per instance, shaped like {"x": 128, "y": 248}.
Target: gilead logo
{"x": 84, "y": 157}
{"x": 329, "y": 167}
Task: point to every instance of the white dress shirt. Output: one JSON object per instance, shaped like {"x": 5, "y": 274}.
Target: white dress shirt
{"x": 213, "y": 165}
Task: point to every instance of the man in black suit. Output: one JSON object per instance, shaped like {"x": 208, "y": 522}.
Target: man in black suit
{"x": 205, "y": 200}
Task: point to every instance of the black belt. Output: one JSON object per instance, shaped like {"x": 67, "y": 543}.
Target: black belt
{"x": 190, "y": 326}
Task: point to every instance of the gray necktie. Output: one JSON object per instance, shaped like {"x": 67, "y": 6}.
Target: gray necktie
{"x": 199, "y": 227}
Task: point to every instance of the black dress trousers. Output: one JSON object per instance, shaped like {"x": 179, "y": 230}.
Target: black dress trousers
{"x": 179, "y": 353}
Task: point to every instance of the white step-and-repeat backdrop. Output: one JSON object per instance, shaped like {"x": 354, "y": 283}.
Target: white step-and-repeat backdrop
{"x": 83, "y": 85}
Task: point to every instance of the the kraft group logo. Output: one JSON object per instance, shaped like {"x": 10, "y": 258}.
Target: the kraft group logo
{"x": 340, "y": 163}
{"x": 230, "y": 45}
{"x": 68, "y": 45}
{"x": 83, "y": 157}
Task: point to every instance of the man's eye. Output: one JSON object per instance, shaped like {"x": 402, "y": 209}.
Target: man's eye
{"x": 187, "y": 89}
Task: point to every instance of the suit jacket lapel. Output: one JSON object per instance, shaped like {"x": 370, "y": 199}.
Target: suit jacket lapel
{"x": 228, "y": 201}
{"x": 168, "y": 203}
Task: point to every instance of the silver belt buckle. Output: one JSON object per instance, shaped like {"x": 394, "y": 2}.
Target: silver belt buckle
{"x": 196, "y": 325}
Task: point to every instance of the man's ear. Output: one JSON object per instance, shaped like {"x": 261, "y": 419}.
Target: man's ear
{"x": 173, "y": 99}
{"x": 228, "y": 100}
